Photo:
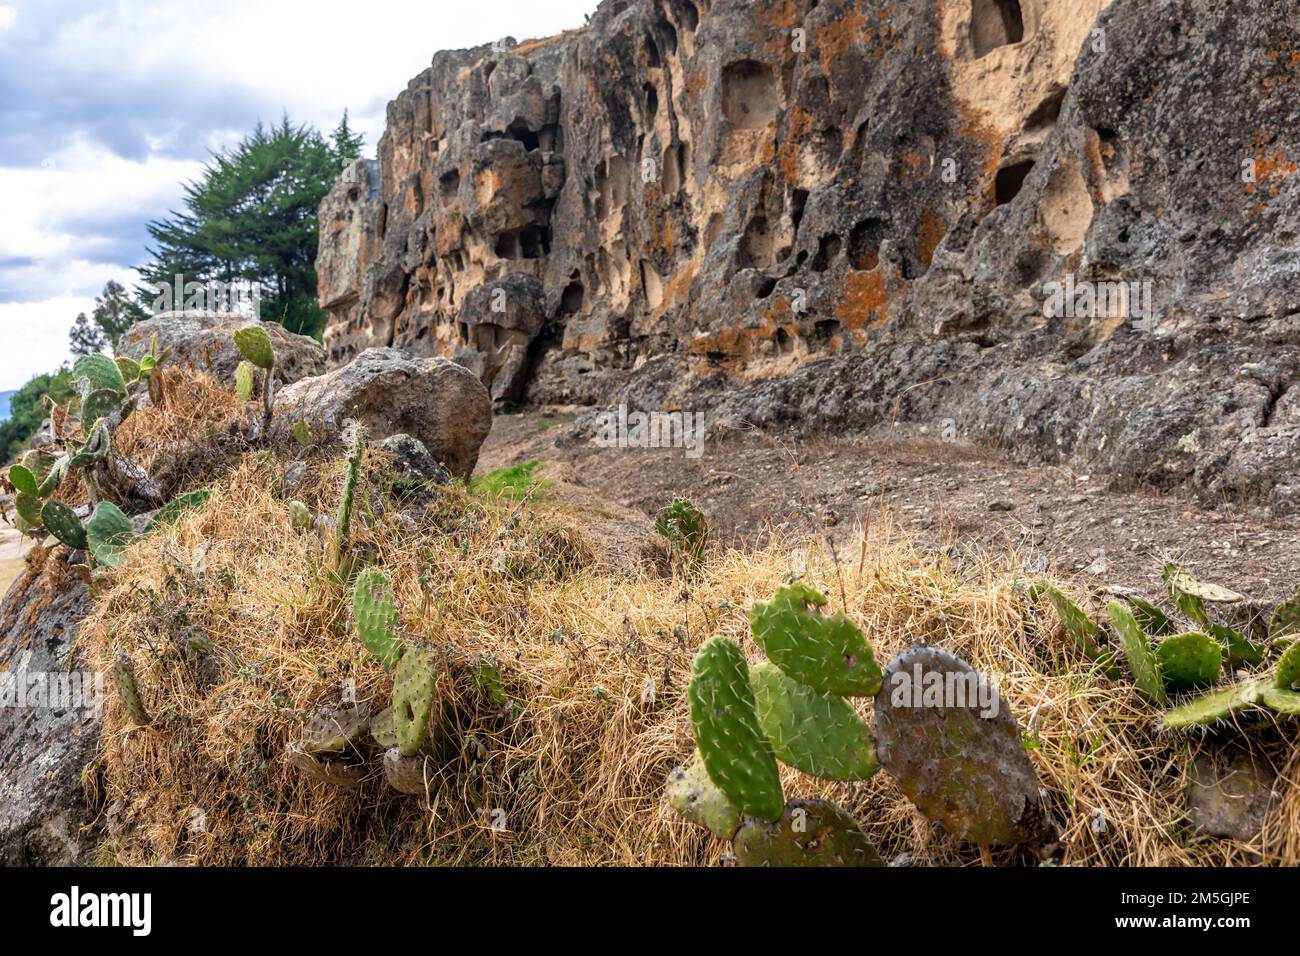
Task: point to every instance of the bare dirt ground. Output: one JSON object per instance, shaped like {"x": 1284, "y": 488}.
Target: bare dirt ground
{"x": 13, "y": 549}
{"x": 1055, "y": 520}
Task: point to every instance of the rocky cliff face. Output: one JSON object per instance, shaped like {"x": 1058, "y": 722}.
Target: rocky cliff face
{"x": 1067, "y": 229}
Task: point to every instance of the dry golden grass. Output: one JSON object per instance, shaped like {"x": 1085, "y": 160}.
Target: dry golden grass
{"x": 595, "y": 658}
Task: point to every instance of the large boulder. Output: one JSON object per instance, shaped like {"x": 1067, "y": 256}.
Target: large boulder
{"x": 202, "y": 341}
{"x": 441, "y": 404}
{"x": 49, "y": 717}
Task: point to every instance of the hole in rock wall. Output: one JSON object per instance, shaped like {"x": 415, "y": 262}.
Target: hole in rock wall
{"x": 651, "y": 101}
{"x": 756, "y": 245}
{"x": 687, "y": 14}
{"x": 1006, "y": 186}
{"x": 571, "y": 300}
{"x": 531, "y": 242}
{"x": 1047, "y": 112}
{"x": 766, "y": 287}
{"x": 995, "y": 23}
{"x": 672, "y": 170}
{"x": 449, "y": 186}
{"x": 828, "y": 249}
{"x": 784, "y": 344}
{"x": 749, "y": 94}
{"x": 713, "y": 230}
{"x": 864, "y": 244}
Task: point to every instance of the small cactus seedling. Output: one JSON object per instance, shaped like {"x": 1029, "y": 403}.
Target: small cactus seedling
{"x": 62, "y": 522}
{"x": 809, "y": 833}
{"x": 735, "y": 752}
{"x": 1216, "y": 706}
{"x": 698, "y": 799}
{"x": 487, "y": 676}
{"x": 952, "y": 744}
{"x": 1142, "y": 661}
{"x": 683, "y": 525}
{"x": 123, "y": 676}
{"x": 1189, "y": 661}
{"x": 302, "y": 433}
{"x": 1080, "y": 628}
{"x": 340, "y": 560}
{"x": 816, "y": 733}
{"x": 255, "y": 346}
{"x": 108, "y": 533}
{"x": 375, "y": 613}
{"x": 413, "y": 693}
{"x": 827, "y": 653}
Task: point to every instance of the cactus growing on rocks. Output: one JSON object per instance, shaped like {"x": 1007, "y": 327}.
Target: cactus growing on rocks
{"x": 827, "y": 653}
{"x": 809, "y": 833}
{"x": 952, "y": 744}
{"x": 108, "y": 532}
{"x": 340, "y": 553}
{"x": 62, "y": 522}
{"x": 255, "y": 346}
{"x": 734, "y": 750}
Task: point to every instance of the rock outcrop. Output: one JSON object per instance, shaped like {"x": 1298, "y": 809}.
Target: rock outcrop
{"x": 1067, "y": 229}
{"x": 202, "y": 341}
{"x": 435, "y": 401}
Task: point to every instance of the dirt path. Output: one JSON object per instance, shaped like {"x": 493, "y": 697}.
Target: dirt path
{"x": 750, "y": 485}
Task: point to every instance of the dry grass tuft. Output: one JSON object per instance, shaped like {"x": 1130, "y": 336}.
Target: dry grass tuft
{"x": 238, "y": 634}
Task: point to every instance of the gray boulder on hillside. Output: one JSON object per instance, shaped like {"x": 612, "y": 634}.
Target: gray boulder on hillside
{"x": 202, "y": 341}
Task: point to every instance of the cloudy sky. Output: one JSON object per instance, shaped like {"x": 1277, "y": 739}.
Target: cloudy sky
{"x": 106, "y": 107}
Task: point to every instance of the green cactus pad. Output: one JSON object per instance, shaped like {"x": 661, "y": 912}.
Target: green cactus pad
{"x": 1151, "y": 618}
{"x": 1282, "y": 701}
{"x": 732, "y": 745}
{"x": 827, "y": 653}
{"x": 108, "y": 532}
{"x": 809, "y": 833}
{"x": 1081, "y": 629}
{"x": 383, "y": 728}
{"x": 98, "y": 405}
{"x": 333, "y": 729}
{"x": 299, "y": 516}
{"x": 698, "y": 799}
{"x": 244, "y": 381}
{"x": 333, "y": 773}
{"x": 950, "y": 741}
{"x": 123, "y": 677}
{"x": 375, "y": 614}
{"x": 95, "y": 449}
{"x": 817, "y": 733}
{"x": 683, "y": 525}
{"x": 21, "y": 477}
{"x": 1189, "y": 661}
{"x": 302, "y": 433}
{"x": 487, "y": 677}
{"x": 29, "y": 508}
{"x": 1288, "y": 667}
{"x": 129, "y": 369}
{"x": 255, "y": 346}
{"x": 1142, "y": 661}
{"x": 413, "y": 692}
{"x": 1215, "y": 706}
{"x": 55, "y": 476}
{"x": 1241, "y": 650}
{"x": 63, "y": 523}
{"x": 99, "y": 372}
{"x": 1285, "y": 619}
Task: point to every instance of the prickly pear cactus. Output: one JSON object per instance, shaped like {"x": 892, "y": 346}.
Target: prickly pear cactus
{"x": 950, "y": 741}
{"x": 1216, "y": 706}
{"x": 827, "y": 653}
{"x": 299, "y": 516}
{"x": 735, "y": 751}
{"x": 302, "y": 433}
{"x": 1285, "y": 619}
{"x": 817, "y": 733}
{"x": 244, "y": 380}
{"x": 697, "y": 798}
{"x": 1182, "y": 582}
{"x": 333, "y": 729}
{"x": 1142, "y": 661}
{"x": 98, "y": 371}
{"x": 1151, "y": 618}
{"x": 683, "y": 525}
{"x": 24, "y": 482}
{"x": 383, "y": 728}
{"x": 405, "y": 774}
{"x": 62, "y": 522}
{"x": 1189, "y": 661}
{"x": 1282, "y": 701}
{"x": 255, "y": 346}
{"x": 98, "y": 405}
{"x": 1288, "y": 667}
{"x": 413, "y": 693}
{"x": 1080, "y": 628}
{"x": 375, "y": 614}
{"x": 809, "y": 833}
{"x": 30, "y": 509}
{"x": 123, "y": 677}
{"x": 108, "y": 532}
{"x": 1241, "y": 650}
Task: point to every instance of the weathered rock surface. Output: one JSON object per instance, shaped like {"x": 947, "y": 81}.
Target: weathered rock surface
{"x": 44, "y": 742}
{"x": 814, "y": 215}
{"x": 1229, "y": 795}
{"x": 433, "y": 400}
{"x": 202, "y": 341}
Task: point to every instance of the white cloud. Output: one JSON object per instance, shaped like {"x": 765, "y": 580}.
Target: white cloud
{"x": 8, "y": 15}
{"x": 34, "y": 337}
